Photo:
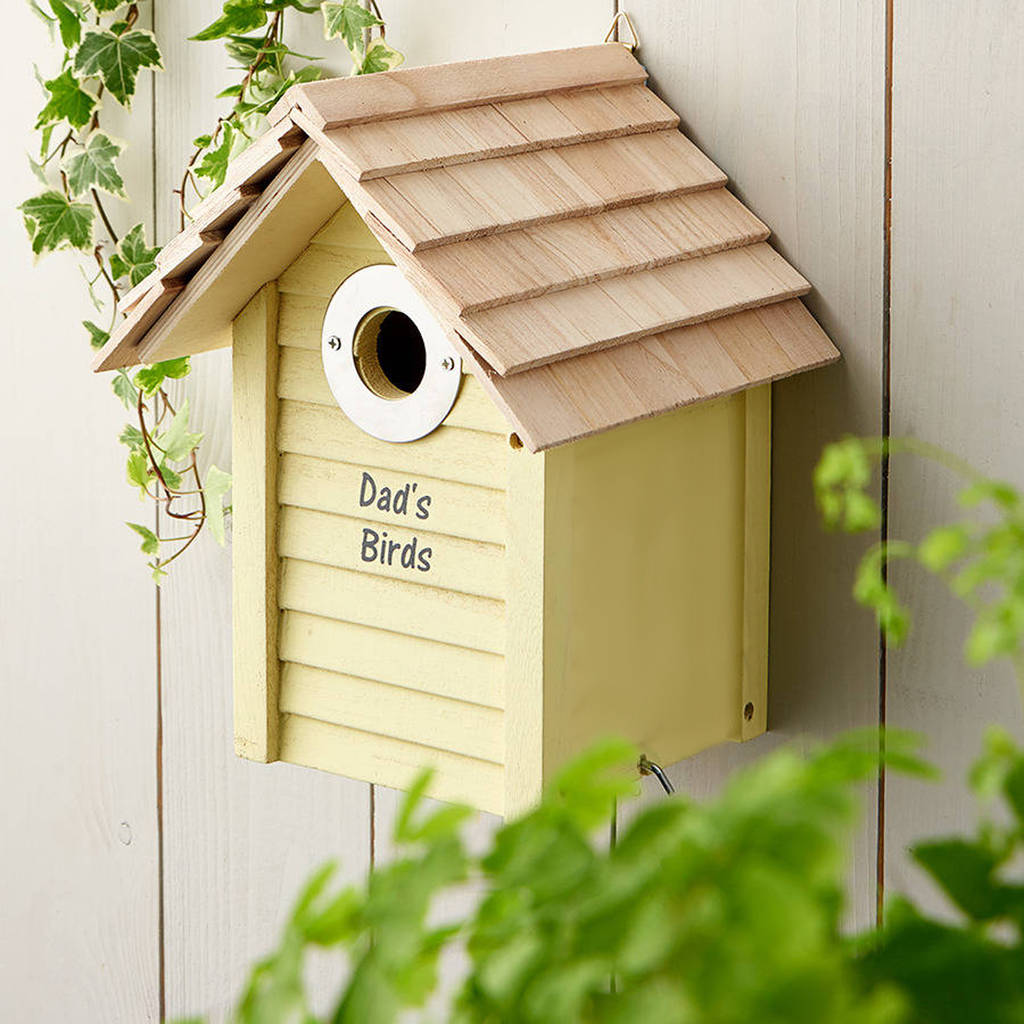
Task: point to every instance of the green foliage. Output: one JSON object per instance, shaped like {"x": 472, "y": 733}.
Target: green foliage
{"x": 67, "y": 100}
{"x": 725, "y": 912}
{"x": 116, "y": 58}
{"x": 55, "y": 222}
{"x": 970, "y": 968}
{"x": 980, "y": 557}
{"x": 94, "y": 166}
{"x": 103, "y": 53}
{"x": 133, "y": 259}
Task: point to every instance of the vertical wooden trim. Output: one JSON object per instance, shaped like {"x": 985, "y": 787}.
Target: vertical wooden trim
{"x": 756, "y": 556}
{"x": 254, "y": 431}
{"x": 524, "y": 657}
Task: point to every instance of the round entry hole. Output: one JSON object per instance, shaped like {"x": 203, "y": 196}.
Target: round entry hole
{"x": 389, "y": 353}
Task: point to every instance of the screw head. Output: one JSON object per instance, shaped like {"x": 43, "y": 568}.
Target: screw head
{"x": 448, "y": 363}
{"x": 334, "y": 342}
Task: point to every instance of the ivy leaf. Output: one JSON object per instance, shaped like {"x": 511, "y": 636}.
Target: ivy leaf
{"x": 117, "y": 59}
{"x": 239, "y": 17}
{"x": 124, "y": 389}
{"x": 347, "y": 19}
{"x": 137, "y": 469}
{"x": 943, "y": 546}
{"x": 214, "y": 165}
{"x": 95, "y": 167}
{"x": 97, "y": 336}
{"x": 150, "y": 541}
{"x": 217, "y": 484}
{"x": 177, "y": 442}
{"x": 133, "y": 258}
{"x": 106, "y": 6}
{"x": 54, "y": 222}
{"x": 380, "y": 57}
{"x": 68, "y": 101}
{"x": 70, "y": 14}
{"x": 132, "y": 437}
{"x": 149, "y": 378}
{"x": 172, "y": 478}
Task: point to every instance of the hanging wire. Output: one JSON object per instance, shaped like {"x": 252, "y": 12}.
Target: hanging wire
{"x": 648, "y": 767}
{"x": 612, "y": 36}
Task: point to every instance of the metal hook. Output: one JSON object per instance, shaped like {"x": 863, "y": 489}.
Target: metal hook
{"x": 648, "y": 767}
{"x": 623, "y": 17}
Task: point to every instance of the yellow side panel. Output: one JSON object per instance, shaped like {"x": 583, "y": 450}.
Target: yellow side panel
{"x": 653, "y": 596}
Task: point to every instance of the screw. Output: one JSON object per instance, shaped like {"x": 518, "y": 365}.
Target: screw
{"x": 335, "y": 342}
{"x": 448, "y": 363}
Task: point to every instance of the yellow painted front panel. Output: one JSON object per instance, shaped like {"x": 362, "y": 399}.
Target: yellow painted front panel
{"x": 392, "y": 567}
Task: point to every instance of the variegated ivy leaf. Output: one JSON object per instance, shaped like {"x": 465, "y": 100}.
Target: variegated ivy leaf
{"x": 137, "y": 469}
{"x": 214, "y": 165}
{"x": 69, "y": 15}
{"x": 133, "y": 258}
{"x": 150, "y": 541}
{"x": 106, "y": 6}
{"x": 54, "y": 222}
{"x": 94, "y": 166}
{"x": 239, "y": 17}
{"x": 217, "y": 484}
{"x": 177, "y": 442}
{"x": 379, "y": 57}
{"x": 98, "y": 337}
{"x": 67, "y": 101}
{"x": 348, "y": 19}
{"x": 124, "y": 389}
{"x": 149, "y": 378}
{"x": 117, "y": 59}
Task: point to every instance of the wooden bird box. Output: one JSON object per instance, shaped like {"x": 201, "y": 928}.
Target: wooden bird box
{"x": 503, "y": 345}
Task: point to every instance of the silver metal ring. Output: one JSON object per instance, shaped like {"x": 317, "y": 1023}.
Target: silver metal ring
{"x": 405, "y": 418}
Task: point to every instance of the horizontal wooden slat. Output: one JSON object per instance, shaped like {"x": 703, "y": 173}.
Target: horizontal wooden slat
{"x": 301, "y": 378}
{"x": 458, "y": 510}
{"x": 450, "y": 137}
{"x": 399, "y": 606}
{"x": 448, "y": 204}
{"x": 497, "y": 269}
{"x": 568, "y": 323}
{"x": 320, "y": 270}
{"x": 390, "y": 762}
{"x": 300, "y": 320}
{"x": 466, "y": 566}
{"x": 342, "y": 101}
{"x": 364, "y": 704}
{"x": 467, "y": 456}
{"x": 457, "y": 672}
{"x": 577, "y": 397}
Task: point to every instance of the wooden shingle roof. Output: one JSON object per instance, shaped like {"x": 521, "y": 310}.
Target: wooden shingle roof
{"x": 583, "y": 255}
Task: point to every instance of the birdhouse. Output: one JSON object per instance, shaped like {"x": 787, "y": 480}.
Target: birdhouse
{"x": 503, "y": 344}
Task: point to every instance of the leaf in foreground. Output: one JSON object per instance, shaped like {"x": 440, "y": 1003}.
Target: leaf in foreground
{"x": 95, "y": 166}
{"x": 67, "y": 101}
{"x": 217, "y": 484}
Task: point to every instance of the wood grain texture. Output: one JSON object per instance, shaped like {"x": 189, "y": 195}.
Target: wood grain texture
{"x": 255, "y": 528}
{"x": 575, "y": 398}
{"x": 332, "y": 104}
{"x": 239, "y": 838}
{"x": 449, "y": 204}
{"x": 815, "y": 176}
{"x": 79, "y": 857}
{"x": 957, "y": 368}
{"x": 576, "y": 321}
{"x": 443, "y": 138}
{"x": 496, "y": 269}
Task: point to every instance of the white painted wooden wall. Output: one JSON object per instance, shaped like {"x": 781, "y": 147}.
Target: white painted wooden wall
{"x": 143, "y": 865}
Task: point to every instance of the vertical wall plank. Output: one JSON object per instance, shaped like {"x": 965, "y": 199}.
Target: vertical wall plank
{"x": 788, "y": 99}
{"x": 239, "y": 838}
{"x": 957, "y": 364}
{"x": 78, "y": 857}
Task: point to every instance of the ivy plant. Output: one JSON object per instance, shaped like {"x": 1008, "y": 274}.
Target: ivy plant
{"x": 102, "y": 52}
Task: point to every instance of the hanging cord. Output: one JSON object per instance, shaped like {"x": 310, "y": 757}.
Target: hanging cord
{"x": 612, "y": 34}
{"x": 648, "y": 767}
